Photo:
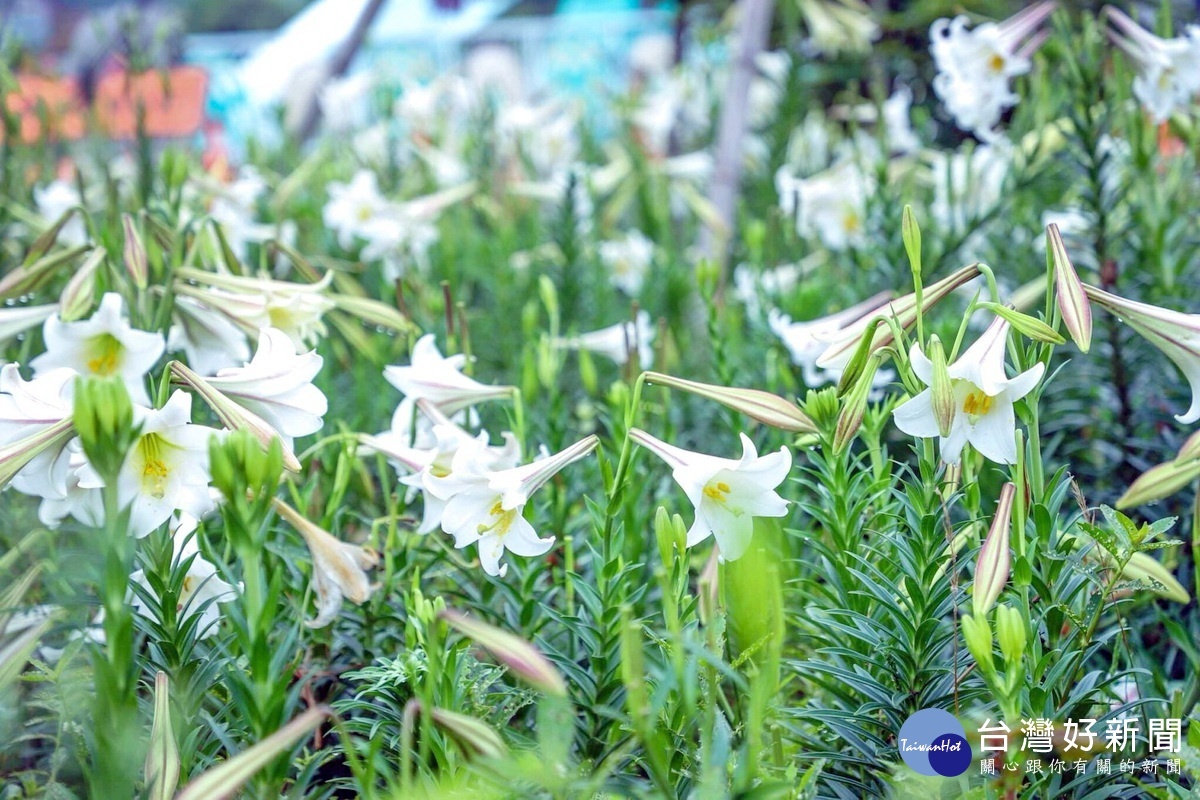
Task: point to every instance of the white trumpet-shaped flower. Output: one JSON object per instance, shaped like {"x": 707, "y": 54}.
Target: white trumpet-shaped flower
{"x": 439, "y": 379}
{"x": 277, "y": 386}
{"x": 81, "y": 497}
{"x": 202, "y": 587}
{"x": 166, "y": 469}
{"x": 485, "y": 506}
{"x": 1168, "y": 70}
{"x": 103, "y": 345}
{"x": 210, "y": 341}
{"x": 616, "y": 342}
{"x": 627, "y": 261}
{"x": 727, "y": 493}
{"x": 33, "y": 407}
{"x": 983, "y": 399}
{"x": 339, "y": 568}
{"x": 975, "y": 66}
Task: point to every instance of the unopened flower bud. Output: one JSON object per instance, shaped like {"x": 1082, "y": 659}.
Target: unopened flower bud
{"x": 1030, "y": 327}
{"x": 162, "y": 755}
{"x": 978, "y": 637}
{"x": 941, "y": 388}
{"x": 473, "y": 735}
{"x": 79, "y": 295}
{"x": 995, "y": 558}
{"x": 855, "y": 406}
{"x": 1147, "y": 570}
{"x": 521, "y": 657}
{"x": 670, "y": 533}
{"x": 104, "y": 419}
{"x": 764, "y": 407}
{"x": 1068, "y": 291}
{"x": 137, "y": 263}
{"x": 1010, "y": 632}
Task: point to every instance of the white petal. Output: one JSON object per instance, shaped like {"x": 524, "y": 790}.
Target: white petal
{"x": 915, "y": 416}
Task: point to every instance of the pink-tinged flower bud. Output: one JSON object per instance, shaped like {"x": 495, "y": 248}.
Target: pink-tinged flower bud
{"x": 474, "y": 736}
{"x": 941, "y": 388}
{"x": 224, "y": 780}
{"x": 764, "y": 407}
{"x": 525, "y": 660}
{"x": 995, "y": 557}
{"x": 1068, "y": 291}
{"x": 162, "y": 756}
{"x": 136, "y": 260}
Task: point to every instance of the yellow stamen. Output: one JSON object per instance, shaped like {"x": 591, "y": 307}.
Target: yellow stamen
{"x": 977, "y": 404}
{"x": 154, "y": 467}
{"x": 717, "y": 491}
{"x": 104, "y": 353}
{"x": 502, "y": 520}
{"x": 996, "y": 63}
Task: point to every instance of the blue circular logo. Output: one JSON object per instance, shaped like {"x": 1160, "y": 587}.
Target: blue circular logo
{"x": 933, "y": 742}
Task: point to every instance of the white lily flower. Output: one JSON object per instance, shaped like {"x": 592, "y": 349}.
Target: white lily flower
{"x": 277, "y": 386}
{"x": 207, "y": 337}
{"x": 101, "y": 346}
{"x": 55, "y": 199}
{"x": 353, "y": 205}
{"x": 627, "y": 261}
{"x": 28, "y": 408}
{"x": 616, "y": 342}
{"x": 81, "y": 497}
{"x": 968, "y": 184}
{"x": 983, "y": 399}
{"x": 338, "y": 570}
{"x": 202, "y": 587}
{"x": 166, "y": 469}
{"x": 485, "y": 506}
{"x": 256, "y": 303}
{"x": 1168, "y": 70}
{"x": 439, "y": 379}
{"x": 830, "y": 206}
{"x": 727, "y": 493}
{"x": 975, "y": 66}
{"x": 434, "y": 476}
{"x": 15, "y": 320}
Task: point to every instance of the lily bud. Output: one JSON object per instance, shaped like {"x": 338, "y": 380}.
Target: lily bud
{"x": 1146, "y": 569}
{"x": 904, "y": 309}
{"x": 670, "y": 533}
{"x": 855, "y": 406}
{"x": 103, "y": 416}
{"x": 137, "y": 263}
{"x": 1010, "y": 631}
{"x": 708, "y": 588}
{"x": 373, "y": 312}
{"x": 46, "y": 239}
{"x": 1030, "y": 327}
{"x": 162, "y": 756}
{"x": 1159, "y": 482}
{"x": 910, "y": 232}
{"x": 821, "y": 406}
{"x": 16, "y": 455}
{"x": 1068, "y": 291}
{"x": 224, "y": 780}
{"x": 978, "y": 637}
{"x": 27, "y": 277}
{"x": 473, "y": 735}
{"x": 941, "y": 389}
{"x": 234, "y": 416}
{"x": 79, "y": 295}
{"x": 995, "y": 558}
{"x": 764, "y": 407}
{"x": 858, "y": 361}
{"x": 525, "y": 660}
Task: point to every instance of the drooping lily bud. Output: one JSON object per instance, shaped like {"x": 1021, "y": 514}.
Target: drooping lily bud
{"x": 764, "y": 407}
{"x": 474, "y": 736}
{"x": 1068, "y": 291}
{"x": 942, "y": 388}
{"x": 79, "y": 295}
{"x": 1029, "y": 327}
{"x": 525, "y": 660}
{"x": 995, "y": 558}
